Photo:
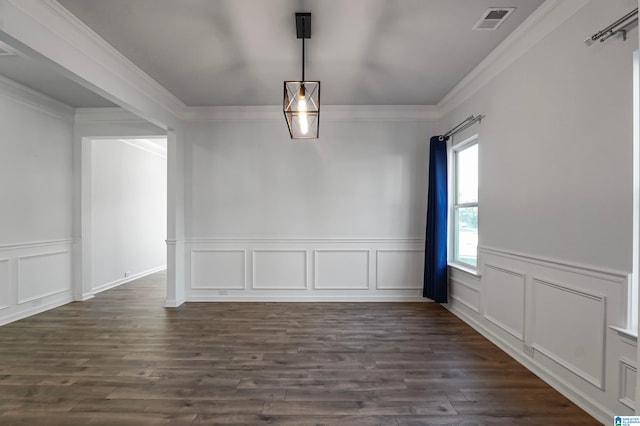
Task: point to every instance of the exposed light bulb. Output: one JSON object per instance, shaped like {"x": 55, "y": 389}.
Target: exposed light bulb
{"x": 302, "y": 110}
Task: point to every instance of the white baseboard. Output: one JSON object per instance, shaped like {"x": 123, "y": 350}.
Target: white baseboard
{"x": 591, "y": 406}
{"x": 116, "y": 283}
{"x": 16, "y": 316}
{"x": 313, "y": 297}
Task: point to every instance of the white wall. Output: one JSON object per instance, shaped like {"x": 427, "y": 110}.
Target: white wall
{"x": 556, "y": 210}
{"x": 36, "y": 192}
{"x": 128, "y": 211}
{"x": 268, "y": 217}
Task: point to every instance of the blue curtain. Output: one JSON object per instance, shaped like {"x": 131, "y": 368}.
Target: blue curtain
{"x": 435, "y": 250}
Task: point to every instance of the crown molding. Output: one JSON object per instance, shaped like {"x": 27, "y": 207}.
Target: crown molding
{"x": 544, "y": 20}
{"x": 327, "y": 113}
{"x": 47, "y": 30}
{"x": 35, "y": 100}
{"x": 107, "y": 115}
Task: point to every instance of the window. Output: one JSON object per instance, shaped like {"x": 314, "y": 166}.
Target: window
{"x": 465, "y": 203}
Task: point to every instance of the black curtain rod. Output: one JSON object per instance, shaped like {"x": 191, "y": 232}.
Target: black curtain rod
{"x": 460, "y": 127}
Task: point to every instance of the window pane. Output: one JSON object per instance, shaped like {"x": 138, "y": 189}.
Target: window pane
{"x": 467, "y": 175}
{"x": 466, "y": 235}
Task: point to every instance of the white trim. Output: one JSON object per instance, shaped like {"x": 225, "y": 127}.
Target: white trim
{"x": 341, "y": 250}
{"x": 35, "y": 310}
{"x": 596, "y": 381}
{"x": 253, "y": 269}
{"x": 377, "y": 270}
{"x": 8, "y": 277}
{"x": 515, "y": 333}
{"x": 35, "y": 100}
{"x": 399, "y": 113}
{"x": 121, "y": 281}
{"x": 575, "y": 395}
{"x": 108, "y": 115}
{"x": 543, "y": 21}
{"x": 314, "y": 297}
{"x": 475, "y": 309}
{"x": 624, "y": 365}
{"x": 611, "y": 275}
{"x": 244, "y": 268}
{"x": 34, "y": 244}
{"x": 301, "y": 240}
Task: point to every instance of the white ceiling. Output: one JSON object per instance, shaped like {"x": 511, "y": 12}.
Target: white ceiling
{"x": 238, "y": 52}
{"x": 38, "y": 76}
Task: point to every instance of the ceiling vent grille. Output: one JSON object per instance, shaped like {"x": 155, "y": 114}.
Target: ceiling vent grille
{"x": 6, "y": 50}
{"x": 493, "y": 17}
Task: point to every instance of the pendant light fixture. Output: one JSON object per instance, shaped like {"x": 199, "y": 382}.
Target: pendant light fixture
{"x": 301, "y": 103}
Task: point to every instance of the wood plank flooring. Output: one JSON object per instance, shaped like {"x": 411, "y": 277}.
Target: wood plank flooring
{"x": 122, "y": 359}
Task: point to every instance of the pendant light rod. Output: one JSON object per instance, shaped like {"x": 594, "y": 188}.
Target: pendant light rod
{"x": 303, "y": 31}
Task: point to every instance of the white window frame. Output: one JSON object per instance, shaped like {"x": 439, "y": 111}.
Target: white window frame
{"x": 453, "y": 195}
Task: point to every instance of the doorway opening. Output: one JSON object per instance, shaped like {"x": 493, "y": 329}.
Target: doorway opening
{"x": 124, "y": 210}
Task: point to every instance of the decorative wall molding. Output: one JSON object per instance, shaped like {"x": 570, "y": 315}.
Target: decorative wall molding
{"x": 419, "y": 274}
{"x": 627, "y": 383}
{"x": 598, "y": 329}
{"x": 285, "y": 271}
{"x": 508, "y": 291}
{"x": 35, "y": 100}
{"x": 5, "y": 279}
{"x": 587, "y": 402}
{"x": 298, "y": 240}
{"x": 474, "y": 307}
{"x": 225, "y": 264}
{"x": 339, "y": 274}
{"x": 41, "y": 274}
{"x": 613, "y": 276}
{"x": 548, "y": 17}
{"x": 34, "y": 244}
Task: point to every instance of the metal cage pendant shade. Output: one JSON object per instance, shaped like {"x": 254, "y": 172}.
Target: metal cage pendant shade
{"x": 301, "y": 103}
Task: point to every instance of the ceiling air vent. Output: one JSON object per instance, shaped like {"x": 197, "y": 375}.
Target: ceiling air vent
{"x": 493, "y": 17}
{"x": 6, "y": 50}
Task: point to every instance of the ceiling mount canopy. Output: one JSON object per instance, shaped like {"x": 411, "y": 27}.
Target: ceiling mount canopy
{"x": 301, "y": 104}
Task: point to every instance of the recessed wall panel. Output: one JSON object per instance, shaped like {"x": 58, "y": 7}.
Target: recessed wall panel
{"x": 4, "y": 284}
{"x": 43, "y": 275}
{"x": 342, "y": 269}
{"x": 503, "y": 299}
{"x": 218, "y": 269}
{"x": 280, "y": 269}
{"x": 399, "y": 269}
{"x": 569, "y": 327}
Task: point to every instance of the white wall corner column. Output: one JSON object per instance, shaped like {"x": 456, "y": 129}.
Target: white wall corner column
{"x": 636, "y": 161}
{"x": 175, "y": 219}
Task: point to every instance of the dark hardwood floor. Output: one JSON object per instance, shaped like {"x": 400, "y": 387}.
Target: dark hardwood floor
{"x": 122, "y": 359}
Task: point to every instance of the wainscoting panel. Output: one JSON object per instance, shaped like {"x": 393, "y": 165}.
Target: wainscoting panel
{"x": 627, "y": 389}
{"x": 34, "y": 277}
{"x": 299, "y": 269}
{"x": 399, "y": 269}
{"x": 465, "y": 294}
{"x": 218, "y": 269}
{"x": 280, "y": 269}
{"x": 570, "y": 328}
{"x": 42, "y": 275}
{"x": 504, "y": 299}
{"x": 341, "y": 269}
{"x": 5, "y": 293}
{"x": 559, "y": 319}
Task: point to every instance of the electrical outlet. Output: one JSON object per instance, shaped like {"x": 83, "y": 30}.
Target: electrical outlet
{"x": 528, "y": 349}
{"x": 223, "y": 292}
{"x": 126, "y": 274}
